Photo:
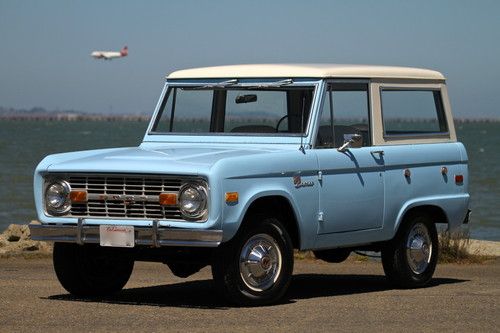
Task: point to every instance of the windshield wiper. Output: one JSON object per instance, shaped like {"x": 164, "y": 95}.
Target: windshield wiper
{"x": 222, "y": 84}
{"x": 233, "y": 82}
{"x": 276, "y": 84}
{"x": 269, "y": 85}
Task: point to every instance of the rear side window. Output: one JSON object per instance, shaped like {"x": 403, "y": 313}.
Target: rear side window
{"x": 413, "y": 112}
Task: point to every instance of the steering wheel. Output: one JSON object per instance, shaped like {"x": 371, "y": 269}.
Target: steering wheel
{"x": 279, "y": 122}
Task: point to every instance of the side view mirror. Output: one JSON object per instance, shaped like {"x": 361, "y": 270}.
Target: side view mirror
{"x": 356, "y": 141}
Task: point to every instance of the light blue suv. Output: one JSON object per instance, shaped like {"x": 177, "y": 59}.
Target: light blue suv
{"x": 241, "y": 165}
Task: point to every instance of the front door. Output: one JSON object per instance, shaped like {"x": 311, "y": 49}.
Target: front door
{"x": 352, "y": 180}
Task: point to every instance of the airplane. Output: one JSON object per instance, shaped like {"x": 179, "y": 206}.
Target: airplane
{"x": 108, "y": 55}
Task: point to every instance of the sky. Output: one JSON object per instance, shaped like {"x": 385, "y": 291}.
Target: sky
{"x": 45, "y": 46}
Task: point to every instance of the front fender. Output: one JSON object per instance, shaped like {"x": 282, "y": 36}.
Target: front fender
{"x": 302, "y": 202}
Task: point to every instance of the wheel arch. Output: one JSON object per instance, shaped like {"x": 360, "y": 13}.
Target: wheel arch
{"x": 437, "y": 213}
{"x": 281, "y": 208}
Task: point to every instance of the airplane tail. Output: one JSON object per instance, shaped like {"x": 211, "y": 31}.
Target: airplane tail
{"x": 124, "y": 51}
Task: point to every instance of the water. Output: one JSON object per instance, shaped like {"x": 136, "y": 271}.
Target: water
{"x": 24, "y": 143}
{"x": 482, "y": 141}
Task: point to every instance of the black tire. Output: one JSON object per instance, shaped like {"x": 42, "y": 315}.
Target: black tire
{"x": 91, "y": 270}
{"x": 407, "y": 268}
{"x": 333, "y": 256}
{"x": 253, "y": 283}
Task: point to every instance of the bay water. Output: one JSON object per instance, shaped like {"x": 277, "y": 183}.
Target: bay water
{"x": 24, "y": 143}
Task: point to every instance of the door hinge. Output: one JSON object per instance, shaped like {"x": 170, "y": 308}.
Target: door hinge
{"x": 320, "y": 176}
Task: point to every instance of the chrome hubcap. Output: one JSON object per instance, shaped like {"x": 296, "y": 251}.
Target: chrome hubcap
{"x": 419, "y": 248}
{"x": 260, "y": 262}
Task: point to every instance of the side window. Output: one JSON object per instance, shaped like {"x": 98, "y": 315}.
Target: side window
{"x": 345, "y": 113}
{"x": 412, "y": 112}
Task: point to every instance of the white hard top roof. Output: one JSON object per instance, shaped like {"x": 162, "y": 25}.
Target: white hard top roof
{"x": 306, "y": 70}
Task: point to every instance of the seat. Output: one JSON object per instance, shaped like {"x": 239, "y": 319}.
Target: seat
{"x": 325, "y": 137}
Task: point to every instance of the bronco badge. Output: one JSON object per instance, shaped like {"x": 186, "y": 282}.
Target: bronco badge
{"x": 297, "y": 181}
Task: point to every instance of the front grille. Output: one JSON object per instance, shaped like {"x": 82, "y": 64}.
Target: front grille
{"x": 106, "y": 193}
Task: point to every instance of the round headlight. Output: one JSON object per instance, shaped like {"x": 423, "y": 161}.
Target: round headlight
{"x": 193, "y": 201}
{"x": 57, "y": 197}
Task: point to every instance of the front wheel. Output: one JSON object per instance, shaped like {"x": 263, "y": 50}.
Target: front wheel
{"x": 409, "y": 260}
{"x": 91, "y": 270}
{"x": 255, "y": 267}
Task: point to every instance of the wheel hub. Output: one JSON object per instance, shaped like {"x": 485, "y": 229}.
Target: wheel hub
{"x": 418, "y": 248}
{"x": 260, "y": 262}
{"x": 266, "y": 263}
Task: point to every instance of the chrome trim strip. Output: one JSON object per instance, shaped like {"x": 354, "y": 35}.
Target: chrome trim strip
{"x": 83, "y": 234}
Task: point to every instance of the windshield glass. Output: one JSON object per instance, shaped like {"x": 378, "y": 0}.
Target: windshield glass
{"x": 260, "y": 110}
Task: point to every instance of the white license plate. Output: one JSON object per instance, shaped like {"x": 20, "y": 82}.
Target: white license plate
{"x": 116, "y": 235}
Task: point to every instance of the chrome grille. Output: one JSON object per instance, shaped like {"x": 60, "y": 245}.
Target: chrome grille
{"x": 104, "y": 191}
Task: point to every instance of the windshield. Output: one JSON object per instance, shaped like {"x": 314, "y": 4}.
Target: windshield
{"x": 239, "y": 110}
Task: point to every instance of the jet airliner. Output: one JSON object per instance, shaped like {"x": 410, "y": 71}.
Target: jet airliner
{"x": 108, "y": 55}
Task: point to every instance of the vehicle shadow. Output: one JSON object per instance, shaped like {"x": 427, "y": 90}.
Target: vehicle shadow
{"x": 192, "y": 294}
{"x": 305, "y": 286}
{"x": 202, "y": 294}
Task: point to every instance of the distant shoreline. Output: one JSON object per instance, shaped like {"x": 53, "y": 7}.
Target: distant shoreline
{"x": 41, "y": 114}
{"x": 146, "y": 118}
{"x": 79, "y": 117}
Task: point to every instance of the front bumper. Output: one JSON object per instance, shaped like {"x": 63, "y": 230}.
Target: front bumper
{"x": 150, "y": 236}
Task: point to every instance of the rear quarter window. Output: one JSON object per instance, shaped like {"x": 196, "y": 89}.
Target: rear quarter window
{"x": 413, "y": 112}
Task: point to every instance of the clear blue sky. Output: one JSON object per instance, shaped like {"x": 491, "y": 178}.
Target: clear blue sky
{"x": 45, "y": 45}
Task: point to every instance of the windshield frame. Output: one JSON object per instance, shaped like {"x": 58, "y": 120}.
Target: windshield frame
{"x": 280, "y": 137}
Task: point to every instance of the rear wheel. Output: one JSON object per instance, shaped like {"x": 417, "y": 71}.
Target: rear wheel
{"x": 91, "y": 270}
{"x": 255, "y": 267}
{"x": 410, "y": 259}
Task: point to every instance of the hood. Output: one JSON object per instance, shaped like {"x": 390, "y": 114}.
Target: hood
{"x": 174, "y": 160}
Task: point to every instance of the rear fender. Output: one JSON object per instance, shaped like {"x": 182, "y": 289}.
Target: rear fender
{"x": 453, "y": 207}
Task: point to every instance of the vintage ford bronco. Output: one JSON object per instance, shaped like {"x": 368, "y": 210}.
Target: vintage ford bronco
{"x": 242, "y": 164}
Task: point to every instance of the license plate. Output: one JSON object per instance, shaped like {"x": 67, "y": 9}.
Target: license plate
{"x": 116, "y": 235}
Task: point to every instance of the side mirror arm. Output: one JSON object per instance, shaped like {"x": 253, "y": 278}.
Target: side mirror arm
{"x": 347, "y": 144}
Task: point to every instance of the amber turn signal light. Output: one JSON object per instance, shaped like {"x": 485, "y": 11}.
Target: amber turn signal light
{"x": 168, "y": 199}
{"x": 231, "y": 197}
{"x": 78, "y": 196}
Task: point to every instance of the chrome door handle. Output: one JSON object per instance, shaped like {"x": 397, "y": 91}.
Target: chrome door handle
{"x": 380, "y": 152}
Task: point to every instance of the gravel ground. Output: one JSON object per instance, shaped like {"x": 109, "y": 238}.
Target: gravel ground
{"x": 352, "y": 296}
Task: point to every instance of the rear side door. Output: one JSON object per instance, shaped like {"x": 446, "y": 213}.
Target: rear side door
{"x": 352, "y": 181}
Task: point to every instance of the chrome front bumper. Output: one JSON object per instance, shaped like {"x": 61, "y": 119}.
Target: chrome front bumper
{"x": 150, "y": 236}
